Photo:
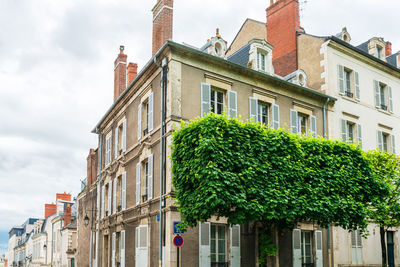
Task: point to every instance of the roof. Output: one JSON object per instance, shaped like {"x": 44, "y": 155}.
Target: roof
{"x": 244, "y": 23}
{"x": 72, "y": 225}
{"x": 393, "y": 59}
{"x": 241, "y": 56}
{"x": 364, "y": 46}
{"x": 188, "y": 49}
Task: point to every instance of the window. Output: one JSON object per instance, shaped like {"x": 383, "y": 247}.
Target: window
{"x": 119, "y": 193}
{"x": 263, "y": 112}
{"x": 146, "y": 181}
{"x": 144, "y": 188}
{"x": 347, "y": 77}
{"x": 217, "y": 101}
{"x": 349, "y": 84}
{"x": 306, "y": 249}
{"x": 356, "y": 247}
{"x": 383, "y": 96}
{"x": 386, "y": 142}
{"x": 218, "y": 245}
{"x": 261, "y": 61}
{"x": 351, "y": 132}
{"x": 379, "y": 52}
{"x": 145, "y": 108}
{"x": 260, "y": 112}
{"x": 120, "y": 139}
{"x": 108, "y": 150}
{"x": 300, "y": 123}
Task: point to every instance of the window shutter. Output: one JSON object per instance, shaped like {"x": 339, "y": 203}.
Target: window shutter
{"x": 357, "y": 85}
{"x": 205, "y": 249}
{"x": 110, "y": 187}
{"x": 344, "y": 130}
{"x": 377, "y": 94}
{"x": 275, "y": 116}
{"x": 139, "y": 126}
{"x": 124, "y": 136}
{"x": 123, "y": 191}
{"x": 138, "y": 183}
{"x": 116, "y": 143}
{"x": 151, "y": 112}
{"x": 393, "y": 144}
{"x": 380, "y": 140}
{"x": 253, "y": 103}
{"x": 318, "y": 249}
{"x": 113, "y": 250}
{"x": 390, "y": 99}
{"x": 150, "y": 178}
{"x": 122, "y": 248}
{"x": 205, "y": 98}
{"x": 294, "y": 121}
{"x": 103, "y": 188}
{"x": 232, "y": 104}
{"x": 359, "y": 135}
{"x": 297, "y": 248}
{"x": 313, "y": 125}
{"x": 341, "y": 79}
{"x": 115, "y": 196}
{"x": 235, "y": 246}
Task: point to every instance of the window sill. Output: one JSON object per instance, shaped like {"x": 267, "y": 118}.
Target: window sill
{"x": 350, "y": 99}
{"x": 384, "y": 111}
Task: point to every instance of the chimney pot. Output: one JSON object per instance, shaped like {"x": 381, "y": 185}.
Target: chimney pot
{"x": 162, "y": 23}
{"x": 120, "y": 73}
{"x": 388, "y": 49}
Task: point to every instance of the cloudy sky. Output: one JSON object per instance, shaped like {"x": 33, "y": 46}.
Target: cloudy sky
{"x": 56, "y": 76}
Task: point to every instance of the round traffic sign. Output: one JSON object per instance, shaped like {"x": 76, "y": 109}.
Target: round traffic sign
{"x": 178, "y": 241}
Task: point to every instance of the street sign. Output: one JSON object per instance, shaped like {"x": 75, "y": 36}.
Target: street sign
{"x": 177, "y": 231}
{"x": 178, "y": 241}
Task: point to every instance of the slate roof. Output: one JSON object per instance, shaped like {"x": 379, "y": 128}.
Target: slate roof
{"x": 241, "y": 56}
{"x": 364, "y": 46}
{"x": 392, "y": 60}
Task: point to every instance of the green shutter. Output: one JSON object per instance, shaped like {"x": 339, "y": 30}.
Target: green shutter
{"x": 275, "y": 116}
{"x": 313, "y": 125}
{"x": 344, "y": 130}
{"x": 380, "y": 140}
{"x": 294, "y": 121}
{"x": 253, "y": 103}
{"x": 232, "y": 104}
{"x": 390, "y": 99}
{"x": 377, "y": 94}
{"x": 205, "y": 98}
{"x": 393, "y": 144}
{"x": 341, "y": 79}
{"x": 357, "y": 85}
{"x": 359, "y": 135}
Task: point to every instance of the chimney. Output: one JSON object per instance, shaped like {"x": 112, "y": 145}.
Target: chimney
{"x": 162, "y": 23}
{"x": 64, "y": 196}
{"x": 49, "y": 209}
{"x": 282, "y": 23}
{"x": 132, "y": 72}
{"x": 67, "y": 214}
{"x": 91, "y": 167}
{"x": 388, "y": 49}
{"x": 120, "y": 73}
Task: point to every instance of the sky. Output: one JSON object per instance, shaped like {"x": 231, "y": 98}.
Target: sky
{"x": 56, "y": 76}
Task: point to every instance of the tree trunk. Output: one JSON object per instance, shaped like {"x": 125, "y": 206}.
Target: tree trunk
{"x": 383, "y": 247}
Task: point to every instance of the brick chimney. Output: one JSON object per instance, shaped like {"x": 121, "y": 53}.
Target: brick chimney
{"x": 162, "y": 23}
{"x": 91, "y": 167}
{"x": 388, "y": 49}
{"x": 132, "y": 72}
{"x": 120, "y": 73}
{"x": 282, "y": 23}
{"x": 49, "y": 209}
{"x": 64, "y": 196}
{"x": 67, "y": 214}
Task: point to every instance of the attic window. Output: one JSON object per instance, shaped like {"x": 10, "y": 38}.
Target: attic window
{"x": 261, "y": 57}
{"x": 379, "y": 52}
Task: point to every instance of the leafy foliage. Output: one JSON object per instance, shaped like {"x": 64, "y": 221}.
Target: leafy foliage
{"x": 248, "y": 172}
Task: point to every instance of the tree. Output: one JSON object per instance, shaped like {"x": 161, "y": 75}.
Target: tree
{"x": 386, "y": 208}
{"x": 247, "y": 172}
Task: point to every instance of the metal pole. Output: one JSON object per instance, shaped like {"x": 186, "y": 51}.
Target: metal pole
{"x": 161, "y": 165}
{"x": 99, "y": 151}
{"x": 91, "y": 237}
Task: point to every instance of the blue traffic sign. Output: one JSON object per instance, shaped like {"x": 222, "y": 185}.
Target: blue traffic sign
{"x": 177, "y": 229}
{"x": 178, "y": 241}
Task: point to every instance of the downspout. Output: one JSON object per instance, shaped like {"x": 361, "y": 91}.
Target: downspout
{"x": 99, "y": 151}
{"x": 52, "y": 242}
{"x": 324, "y": 116}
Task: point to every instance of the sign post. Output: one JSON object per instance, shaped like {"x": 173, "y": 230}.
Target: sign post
{"x": 178, "y": 242}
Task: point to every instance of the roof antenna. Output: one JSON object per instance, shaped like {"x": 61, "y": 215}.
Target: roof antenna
{"x": 302, "y": 7}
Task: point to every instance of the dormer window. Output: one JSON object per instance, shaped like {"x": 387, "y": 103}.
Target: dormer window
{"x": 379, "y": 52}
{"x": 261, "y": 61}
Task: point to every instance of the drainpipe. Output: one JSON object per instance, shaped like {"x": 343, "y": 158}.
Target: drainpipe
{"x": 99, "y": 151}
{"x": 52, "y": 243}
{"x": 324, "y": 115}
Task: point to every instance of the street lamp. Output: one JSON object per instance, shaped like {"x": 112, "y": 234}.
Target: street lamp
{"x": 86, "y": 220}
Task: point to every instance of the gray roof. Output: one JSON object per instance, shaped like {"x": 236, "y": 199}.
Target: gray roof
{"x": 241, "y": 56}
{"x": 392, "y": 60}
{"x": 364, "y": 46}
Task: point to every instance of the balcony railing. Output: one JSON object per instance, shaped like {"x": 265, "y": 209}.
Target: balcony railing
{"x": 145, "y": 131}
{"x": 349, "y": 94}
{"x": 384, "y": 107}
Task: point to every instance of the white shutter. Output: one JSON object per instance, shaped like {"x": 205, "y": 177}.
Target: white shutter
{"x": 123, "y": 191}
{"x": 341, "y": 79}
{"x": 294, "y": 121}
{"x": 377, "y": 94}
{"x": 151, "y": 112}
{"x": 356, "y": 247}
{"x": 204, "y": 240}
{"x": 113, "y": 250}
{"x": 138, "y": 183}
{"x": 122, "y": 248}
{"x": 380, "y": 140}
{"x": 124, "y": 136}
{"x": 359, "y": 135}
{"x": 139, "y": 125}
{"x": 318, "y": 249}
{"x": 275, "y": 116}
{"x": 141, "y": 238}
{"x": 296, "y": 248}
{"x": 116, "y": 143}
{"x": 232, "y": 104}
{"x": 357, "y": 85}
{"x": 150, "y": 177}
{"x": 235, "y": 246}
{"x": 115, "y": 196}
{"x": 393, "y": 144}
{"x": 205, "y": 98}
{"x": 313, "y": 125}
{"x": 103, "y": 190}
{"x": 253, "y": 103}
{"x": 390, "y": 99}
{"x": 344, "y": 130}
{"x": 110, "y": 187}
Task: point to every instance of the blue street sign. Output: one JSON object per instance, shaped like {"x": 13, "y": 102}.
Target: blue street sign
{"x": 178, "y": 241}
{"x": 158, "y": 217}
{"x": 176, "y": 229}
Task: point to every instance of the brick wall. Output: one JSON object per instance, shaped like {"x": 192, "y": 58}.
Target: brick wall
{"x": 91, "y": 167}
{"x": 49, "y": 209}
{"x": 162, "y": 23}
{"x": 64, "y": 196}
{"x": 120, "y": 73}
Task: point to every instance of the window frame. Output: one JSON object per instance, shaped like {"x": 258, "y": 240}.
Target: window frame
{"x": 216, "y": 241}
{"x": 214, "y": 91}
